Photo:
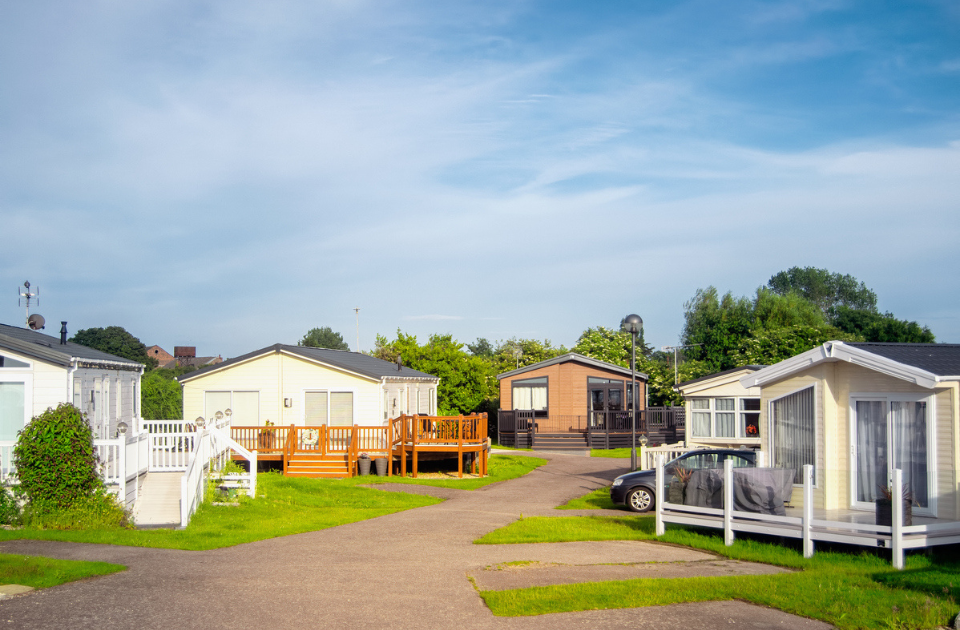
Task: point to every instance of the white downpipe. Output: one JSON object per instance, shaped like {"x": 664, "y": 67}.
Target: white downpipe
{"x": 807, "y": 510}
{"x": 660, "y": 530}
{"x": 728, "y": 535}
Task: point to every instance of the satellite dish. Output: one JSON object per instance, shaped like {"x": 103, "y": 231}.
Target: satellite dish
{"x": 36, "y": 321}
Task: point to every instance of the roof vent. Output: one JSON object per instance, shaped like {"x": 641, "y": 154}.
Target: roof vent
{"x": 63, "y": 333}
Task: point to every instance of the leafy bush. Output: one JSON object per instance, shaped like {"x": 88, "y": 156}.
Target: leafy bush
{"x": 9, "y": 507}
{"x": 56, "y": 461}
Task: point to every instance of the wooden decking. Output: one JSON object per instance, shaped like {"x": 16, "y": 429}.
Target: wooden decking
{"x": 325, "y": 451}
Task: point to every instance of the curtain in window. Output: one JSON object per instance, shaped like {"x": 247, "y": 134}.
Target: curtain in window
{"x": 246, "y": 409}
{"x": 910, "y": 443}
{"x": 700, "y": 424}
{"x": 214, "y": 402}
{"x": 794, "y": 420}
{"x": 538, "y": 398}
{"x": 726, "y": 417}
{"x": 522, "y": 398}
{"x": 11, "y": 410}
{"x": 341, "y": 409}
{"x": 315, "y": 408}
{"x": 871, "y": 449}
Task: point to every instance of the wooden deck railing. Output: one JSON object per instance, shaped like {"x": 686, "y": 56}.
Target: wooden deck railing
{"x": 400, "y": 438}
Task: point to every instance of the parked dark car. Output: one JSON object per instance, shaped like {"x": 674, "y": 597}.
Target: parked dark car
{"x": 636, "y": 490}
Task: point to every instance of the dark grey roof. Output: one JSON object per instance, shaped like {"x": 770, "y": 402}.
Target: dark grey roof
{"x": 716, "y": 374}
{"x": 578, "y": 358}
{"x": 48, "y": 348}
{"x": 350, "y": 361}
{"x": 942, "y": 359}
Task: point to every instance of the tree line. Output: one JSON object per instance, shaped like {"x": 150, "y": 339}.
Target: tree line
{"x": 796, "y": 310}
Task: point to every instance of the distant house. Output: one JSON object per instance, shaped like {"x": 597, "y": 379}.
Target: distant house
{"x": 570, "y": 401}
{"x": 164, "y": 358}
{"x": 38, "y": 371}
{"x": 305, "y": 386}
{"x": 856, "y": 412}
{"x": 720, "y": 411}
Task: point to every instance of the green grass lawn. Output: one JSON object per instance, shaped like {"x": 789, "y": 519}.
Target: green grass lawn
{"x": 622, "y": 453}
{"x": 499, "y": 468}
{"x": 284, "y": 506}
{"x": 844, "y": 588}
{"x": 40, "y": 572}
{"x": 599, "y": 499}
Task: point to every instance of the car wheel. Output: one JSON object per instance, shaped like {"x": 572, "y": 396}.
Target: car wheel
{"x": 640, "y": 500}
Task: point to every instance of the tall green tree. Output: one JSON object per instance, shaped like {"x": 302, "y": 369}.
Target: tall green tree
{"x": 716, "y": 326}
{"x": 117, "y": 341}
{"x": 876, "y": 327}
{"x": 464, "y": 378}
{"x": 825, "y": 289}
{"x": 161, "y": 397}
{"x": 324, "y": 338}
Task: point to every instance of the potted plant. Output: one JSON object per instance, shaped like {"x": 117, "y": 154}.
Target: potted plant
{"x": 679, "y": 485}
{"x": 267, "y": 437}
{"x": 364, "y": 463}
{"x": 884, "y": 506}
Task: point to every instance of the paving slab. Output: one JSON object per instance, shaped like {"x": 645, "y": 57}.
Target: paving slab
{"x": 404, "y": 570}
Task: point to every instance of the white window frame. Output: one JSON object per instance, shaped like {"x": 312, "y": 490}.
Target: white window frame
{"x": 27, "y": 380}
{"x": 328, "y": 392}
{"x": 888, "y": 397}
{"x": 712, "y": 411}
{"x": 817, "y": 428}
{"x": 209, "y": 415}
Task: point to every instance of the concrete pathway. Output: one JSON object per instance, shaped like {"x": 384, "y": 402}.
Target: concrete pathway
{"x": 406, "y": 570}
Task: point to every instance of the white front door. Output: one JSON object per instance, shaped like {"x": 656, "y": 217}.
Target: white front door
{"x": 890, "y": 434}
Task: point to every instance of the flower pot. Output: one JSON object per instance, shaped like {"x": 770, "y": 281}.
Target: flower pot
{"x": 364, "y": 463}
{"x": 381, "y": 466}
{"x": 885, "y": 512}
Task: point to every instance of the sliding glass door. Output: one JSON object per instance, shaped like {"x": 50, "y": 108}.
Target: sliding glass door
{"x": 890, "y": 434}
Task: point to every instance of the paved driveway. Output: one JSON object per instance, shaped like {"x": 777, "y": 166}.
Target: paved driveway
{"x": 406, "y": 570}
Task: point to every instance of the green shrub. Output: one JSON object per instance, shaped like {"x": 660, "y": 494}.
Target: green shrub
{"x": 9, "y": 507}
{"x": 56, "y": 461}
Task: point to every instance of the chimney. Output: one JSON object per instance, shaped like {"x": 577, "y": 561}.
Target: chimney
{"x": 63, "y": 333}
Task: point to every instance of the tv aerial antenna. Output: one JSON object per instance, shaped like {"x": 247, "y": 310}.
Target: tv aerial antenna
{"x": 35, "y": 321}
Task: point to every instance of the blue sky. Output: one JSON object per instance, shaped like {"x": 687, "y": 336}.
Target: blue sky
{"x": 230, "y": 174}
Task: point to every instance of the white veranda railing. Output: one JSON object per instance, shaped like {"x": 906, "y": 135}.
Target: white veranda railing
{"x": 210, "y": 453}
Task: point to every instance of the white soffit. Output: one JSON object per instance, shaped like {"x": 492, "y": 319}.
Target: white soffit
{"x": 833, "y": 351}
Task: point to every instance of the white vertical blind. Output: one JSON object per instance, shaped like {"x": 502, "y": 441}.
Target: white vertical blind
{"x": 11, "y": 409}
{"x": 245, "y": 407}
{"x": 794, "y": 432}
{"x": 341, "y": 409}
{"x": 315, "y": 408}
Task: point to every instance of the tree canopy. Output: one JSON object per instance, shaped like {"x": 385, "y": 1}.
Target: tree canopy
{"x": 117, "y": 341}
{"x": 324, "y": 338}
{"x": 825, "y": 289}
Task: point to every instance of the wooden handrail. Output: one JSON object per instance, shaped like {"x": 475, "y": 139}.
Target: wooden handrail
{"x": 289, "y": 446}
{"x": 353, "y": 451}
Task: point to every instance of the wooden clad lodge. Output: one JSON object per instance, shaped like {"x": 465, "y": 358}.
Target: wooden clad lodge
{"x": 575, "y": 402}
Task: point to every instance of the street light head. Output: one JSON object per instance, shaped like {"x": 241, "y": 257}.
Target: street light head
{"x": 632, "y": 324}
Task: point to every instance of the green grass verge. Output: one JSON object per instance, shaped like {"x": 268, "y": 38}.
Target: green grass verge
{"x": 621, "y": 453}
{"x": 284, "y": 506}
{"x": 845, "y": 589}
{"x": 499, "y": 468}
{"x": 40, "y": 572}
{"x": 599, "y": 499}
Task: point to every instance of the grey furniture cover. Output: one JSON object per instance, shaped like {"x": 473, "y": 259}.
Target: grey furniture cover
{"x": 762, "y": 490}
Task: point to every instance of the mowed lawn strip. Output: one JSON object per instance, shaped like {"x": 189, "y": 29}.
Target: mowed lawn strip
{"x": 849, "y": 590}
{"x": 284, "y": 506}
{"x": 40, "y": 572}
{"x": 499, "y": 468}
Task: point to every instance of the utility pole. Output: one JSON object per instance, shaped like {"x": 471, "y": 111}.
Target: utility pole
{"x": 357, "y": 311}
{"x": 675, "y": 348}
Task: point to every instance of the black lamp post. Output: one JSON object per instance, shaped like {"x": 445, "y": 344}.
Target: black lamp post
{"x": 633, "y": 324}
